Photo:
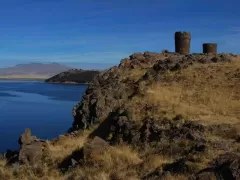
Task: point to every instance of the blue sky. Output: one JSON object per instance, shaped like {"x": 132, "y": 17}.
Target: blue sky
{"x": 98, "y": 33}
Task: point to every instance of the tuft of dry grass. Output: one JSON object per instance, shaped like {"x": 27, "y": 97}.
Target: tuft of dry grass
{"x": 115, "y": 163}
{"x": 65, "y": 146}
{"x": 154, "y": 161}
{"x": 176, "y": 177}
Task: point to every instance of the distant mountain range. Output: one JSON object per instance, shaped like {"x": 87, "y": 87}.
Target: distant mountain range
{"x": 33, "y": 70}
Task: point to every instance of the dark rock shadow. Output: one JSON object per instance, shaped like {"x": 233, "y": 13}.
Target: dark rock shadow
{"x": 104, "y": 128}
{"x": 71, "y": 161}
{"x": 11, "y": 156}
{"x": 179, "y": 166}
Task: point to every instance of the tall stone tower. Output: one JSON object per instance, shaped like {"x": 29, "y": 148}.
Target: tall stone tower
{"x": 182, "y": 42}
{"x": 210, "y": 48}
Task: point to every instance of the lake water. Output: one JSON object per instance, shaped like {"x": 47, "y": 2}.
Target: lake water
{"x": 44, "y": 108}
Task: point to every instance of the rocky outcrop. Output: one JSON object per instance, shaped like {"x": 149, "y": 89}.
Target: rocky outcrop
{"x": 94, "y": 148}
{"x": 178, "y": 62}
{"x": 31, "y": 149}
{"x": 139, "y": 60}
{"x": 109, "y": 90}
{"x": 225, "y": 167}
{"x": 26, "y": 138}
{"x": 73, "y": 76}
{"x": 91, "y": 149}
{"x": 121, "y": 128}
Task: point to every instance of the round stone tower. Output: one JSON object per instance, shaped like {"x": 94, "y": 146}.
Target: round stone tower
{"x": 210, "y": 48}
{"x": 182, "y": 42}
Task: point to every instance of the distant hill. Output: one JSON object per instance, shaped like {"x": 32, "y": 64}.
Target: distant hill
{"x": 33, "y": 70}
{"x": 73, "y": 76}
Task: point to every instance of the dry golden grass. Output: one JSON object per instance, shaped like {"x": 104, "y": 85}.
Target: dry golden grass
{"x": 133, "y": 74}
{"x": 56, "y": 152}
{"x": 176, "y": 177}
{"x": 209, "y": 93}
{"x": 65, "y": 146}
{"x": 25, "y": 172}
{"x": 115, "y": 163}
{"x": 39, "y": 172}
{"x": 154, "y": 161}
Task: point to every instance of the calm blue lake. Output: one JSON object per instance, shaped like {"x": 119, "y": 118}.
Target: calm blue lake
{"x": 44, "y": 108}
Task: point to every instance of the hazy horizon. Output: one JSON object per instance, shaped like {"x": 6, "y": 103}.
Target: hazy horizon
{"x": 81, "y": 65}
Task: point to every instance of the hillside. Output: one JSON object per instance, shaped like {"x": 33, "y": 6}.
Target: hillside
{"x": 154, "y": 117}
{"x": 74, "y": 76}
{"x": 32, "y": 70}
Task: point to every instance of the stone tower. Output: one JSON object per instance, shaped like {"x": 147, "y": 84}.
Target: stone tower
{"x": 210, "y": 48}
{"x": 182, "y": 42}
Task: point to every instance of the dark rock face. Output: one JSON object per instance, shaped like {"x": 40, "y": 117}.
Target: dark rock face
{"x": 225, "y": 167}
{"x": 73, "y": 76}
{"x": 179, "y": 166}
{"x": 151, "y": 130}
{"x": 30, "y": 149}
{"x": 226, "y": 130}
{"x": 177, "y": 62}
{"x": 11, "y": 157}
{"x": 71, "y": 161}
{"x": 139, "y": 60}
{"x": 107, "y": 92}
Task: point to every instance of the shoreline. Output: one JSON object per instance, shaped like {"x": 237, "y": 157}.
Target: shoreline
{"x": 42, "y": 80}
{"x": 67, "y": 82}
{"x": 21, "y": 79}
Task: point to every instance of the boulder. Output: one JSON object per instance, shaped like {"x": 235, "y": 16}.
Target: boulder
{"x": 224, "y": 167}
{"x": 207, "y": 175}
{"x": 26, "y": 138}
{"x": 31, "y": 153}
{"x": 96, "y": 147}
{"x": 31, "y": 149}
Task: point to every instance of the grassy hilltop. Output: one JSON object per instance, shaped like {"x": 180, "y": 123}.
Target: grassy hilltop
{"x": 155, "y": 116}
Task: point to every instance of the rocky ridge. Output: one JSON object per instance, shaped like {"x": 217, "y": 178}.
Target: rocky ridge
{"x": 73, "y": 76}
